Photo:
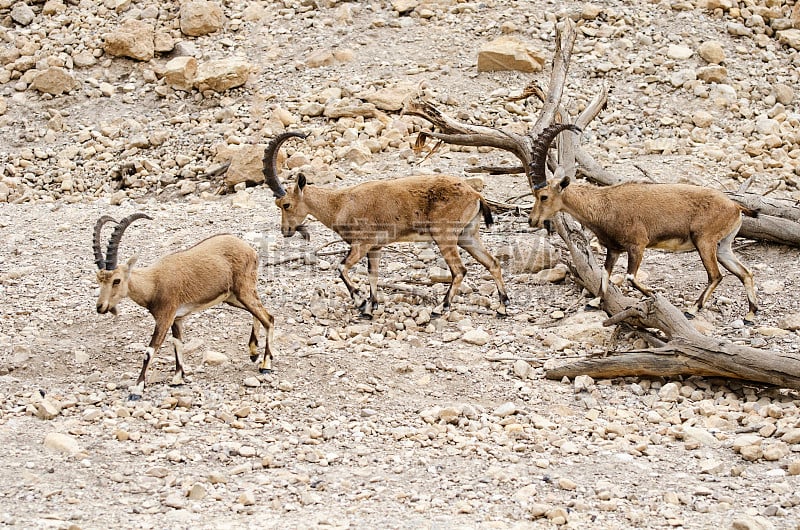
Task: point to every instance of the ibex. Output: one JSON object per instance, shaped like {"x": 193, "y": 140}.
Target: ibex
{"x": 368, "y": 216}
{"x": 633, "y": 216}
{"x": 221, "y": 268}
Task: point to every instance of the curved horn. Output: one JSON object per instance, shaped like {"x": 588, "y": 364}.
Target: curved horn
{"x": 116, "y": 236}
{"x": 540, "y": 147}
{"x": 96, "y": 245}
{"x": 270, "y": 168}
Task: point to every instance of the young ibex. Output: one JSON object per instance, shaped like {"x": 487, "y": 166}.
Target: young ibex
{"x": 371, "y": 215}
{"x": 222, "y": 268}
{"x": 633, "y": 216}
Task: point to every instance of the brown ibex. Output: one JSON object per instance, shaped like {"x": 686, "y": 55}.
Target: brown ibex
{"x": 368, "y": 216}
{"x": 633, "y": 216}
{"x": 221, "y": 268}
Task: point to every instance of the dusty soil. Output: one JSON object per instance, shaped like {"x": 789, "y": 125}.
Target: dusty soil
{"x": 398, "y": 422}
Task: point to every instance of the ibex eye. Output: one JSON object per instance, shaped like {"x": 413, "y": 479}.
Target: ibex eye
{"x": 115, "y": 282}
{"x": 543, "y": 198}
{"x": 286, "y": 206}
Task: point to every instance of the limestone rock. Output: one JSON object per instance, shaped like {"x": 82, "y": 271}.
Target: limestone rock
{"x": 133, "y": 39}
{"x": 712, "y": 74}
{"x": 179, "y": 73}
{"x": 790, "y": 322}
{"x": 529, "y": 254}
{"x": 222, "y": 74}
{"x": 245, "y": 165}
{"x": 790, "y": 37}
{"x": 678, "y": 52}
{"x": 404, "y": 7}
{"x": 22, "y": 14}
{"x": 478, "y": 337}
{"x": 390, "y": 98}
{"x": 63, "y": 443}
{"x": 200, "y": 17}
{"x": 55, "y": 80}
{"x": 508, "y": 53}
{"x": 213, "y": 358}
{"x": 712, "y": 52}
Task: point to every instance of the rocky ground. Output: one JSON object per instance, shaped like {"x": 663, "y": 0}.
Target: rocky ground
{"x": 405, "y": 421}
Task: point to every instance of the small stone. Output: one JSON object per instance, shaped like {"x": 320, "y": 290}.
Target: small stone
{"x": 479, "y": 337}
{"x": 506, "y": 409}
{"x": 247, "y": 498}
{"x": 197, "y": 492}
{"x": 676, "y": 51}
{"x": 792, "y": 436}
{"x": 22, "y": 14}
{"x": 711, "y": 52}
{"x": 63, "y": 443}
{"x": 47, "y": 409}
{"x": 214, "y": 358}
{"x": 669, "y": 392}
{"x": 790, "y": 322}
{"x": 522, "y": 368}
{"x": 251, "y": 382}
{"x": 175, "y": 500}
{"x": 567, "y": 484}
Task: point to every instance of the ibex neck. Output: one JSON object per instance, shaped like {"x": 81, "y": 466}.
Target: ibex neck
{"x": 140, "y": 287}
{"x": 323, "y": 203}
{"x": 584, "y": 202}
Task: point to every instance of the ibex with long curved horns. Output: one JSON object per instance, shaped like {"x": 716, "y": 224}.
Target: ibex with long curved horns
{"x": 222, "y": 268}
{"x": 633, "y": 216}
{"x": 368, "y": 216}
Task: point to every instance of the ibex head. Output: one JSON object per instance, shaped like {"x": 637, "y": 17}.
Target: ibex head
{"x": 113, "y": 279}
{"x": 548, "y": 195}
{"x": 291, "y": 204}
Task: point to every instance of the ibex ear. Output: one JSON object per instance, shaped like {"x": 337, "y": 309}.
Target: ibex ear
{"x": 564, "y": 180}
{"x": 131, "y": 262}
{"x": 564, "y": 183}
{"x": 301, "y": 181}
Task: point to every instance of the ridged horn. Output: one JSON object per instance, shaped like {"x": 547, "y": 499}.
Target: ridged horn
{"x": 270, "y": 165}
{"x": 99, "y": 259}
{"x": 540, "y": 147}
{"x": 116, "y": 236}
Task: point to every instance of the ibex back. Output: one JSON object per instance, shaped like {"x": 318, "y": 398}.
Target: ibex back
{"x": 438, "y": 208}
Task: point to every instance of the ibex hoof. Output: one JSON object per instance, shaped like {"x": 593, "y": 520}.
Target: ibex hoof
{"x": 253, "y": 358}
{"x": 749, "y": 321}
{"x": 365, "y": 316}
{"x": 688, "y": 315}
{"x": 502, "y": 312}
{"x": 265, "y": 370}
{"x": 134, "y": 397}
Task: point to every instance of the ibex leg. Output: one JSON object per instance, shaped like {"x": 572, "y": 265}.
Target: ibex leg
{"x": 726, "y": 256}
{"x": 447, "y": 245}
{"x": 160, "y": 333}
{"x": 354, "y": 256}
{"x": 373, "y": 262}
{"x": 177, "y": 344}
{"x": 475, "y": 247}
